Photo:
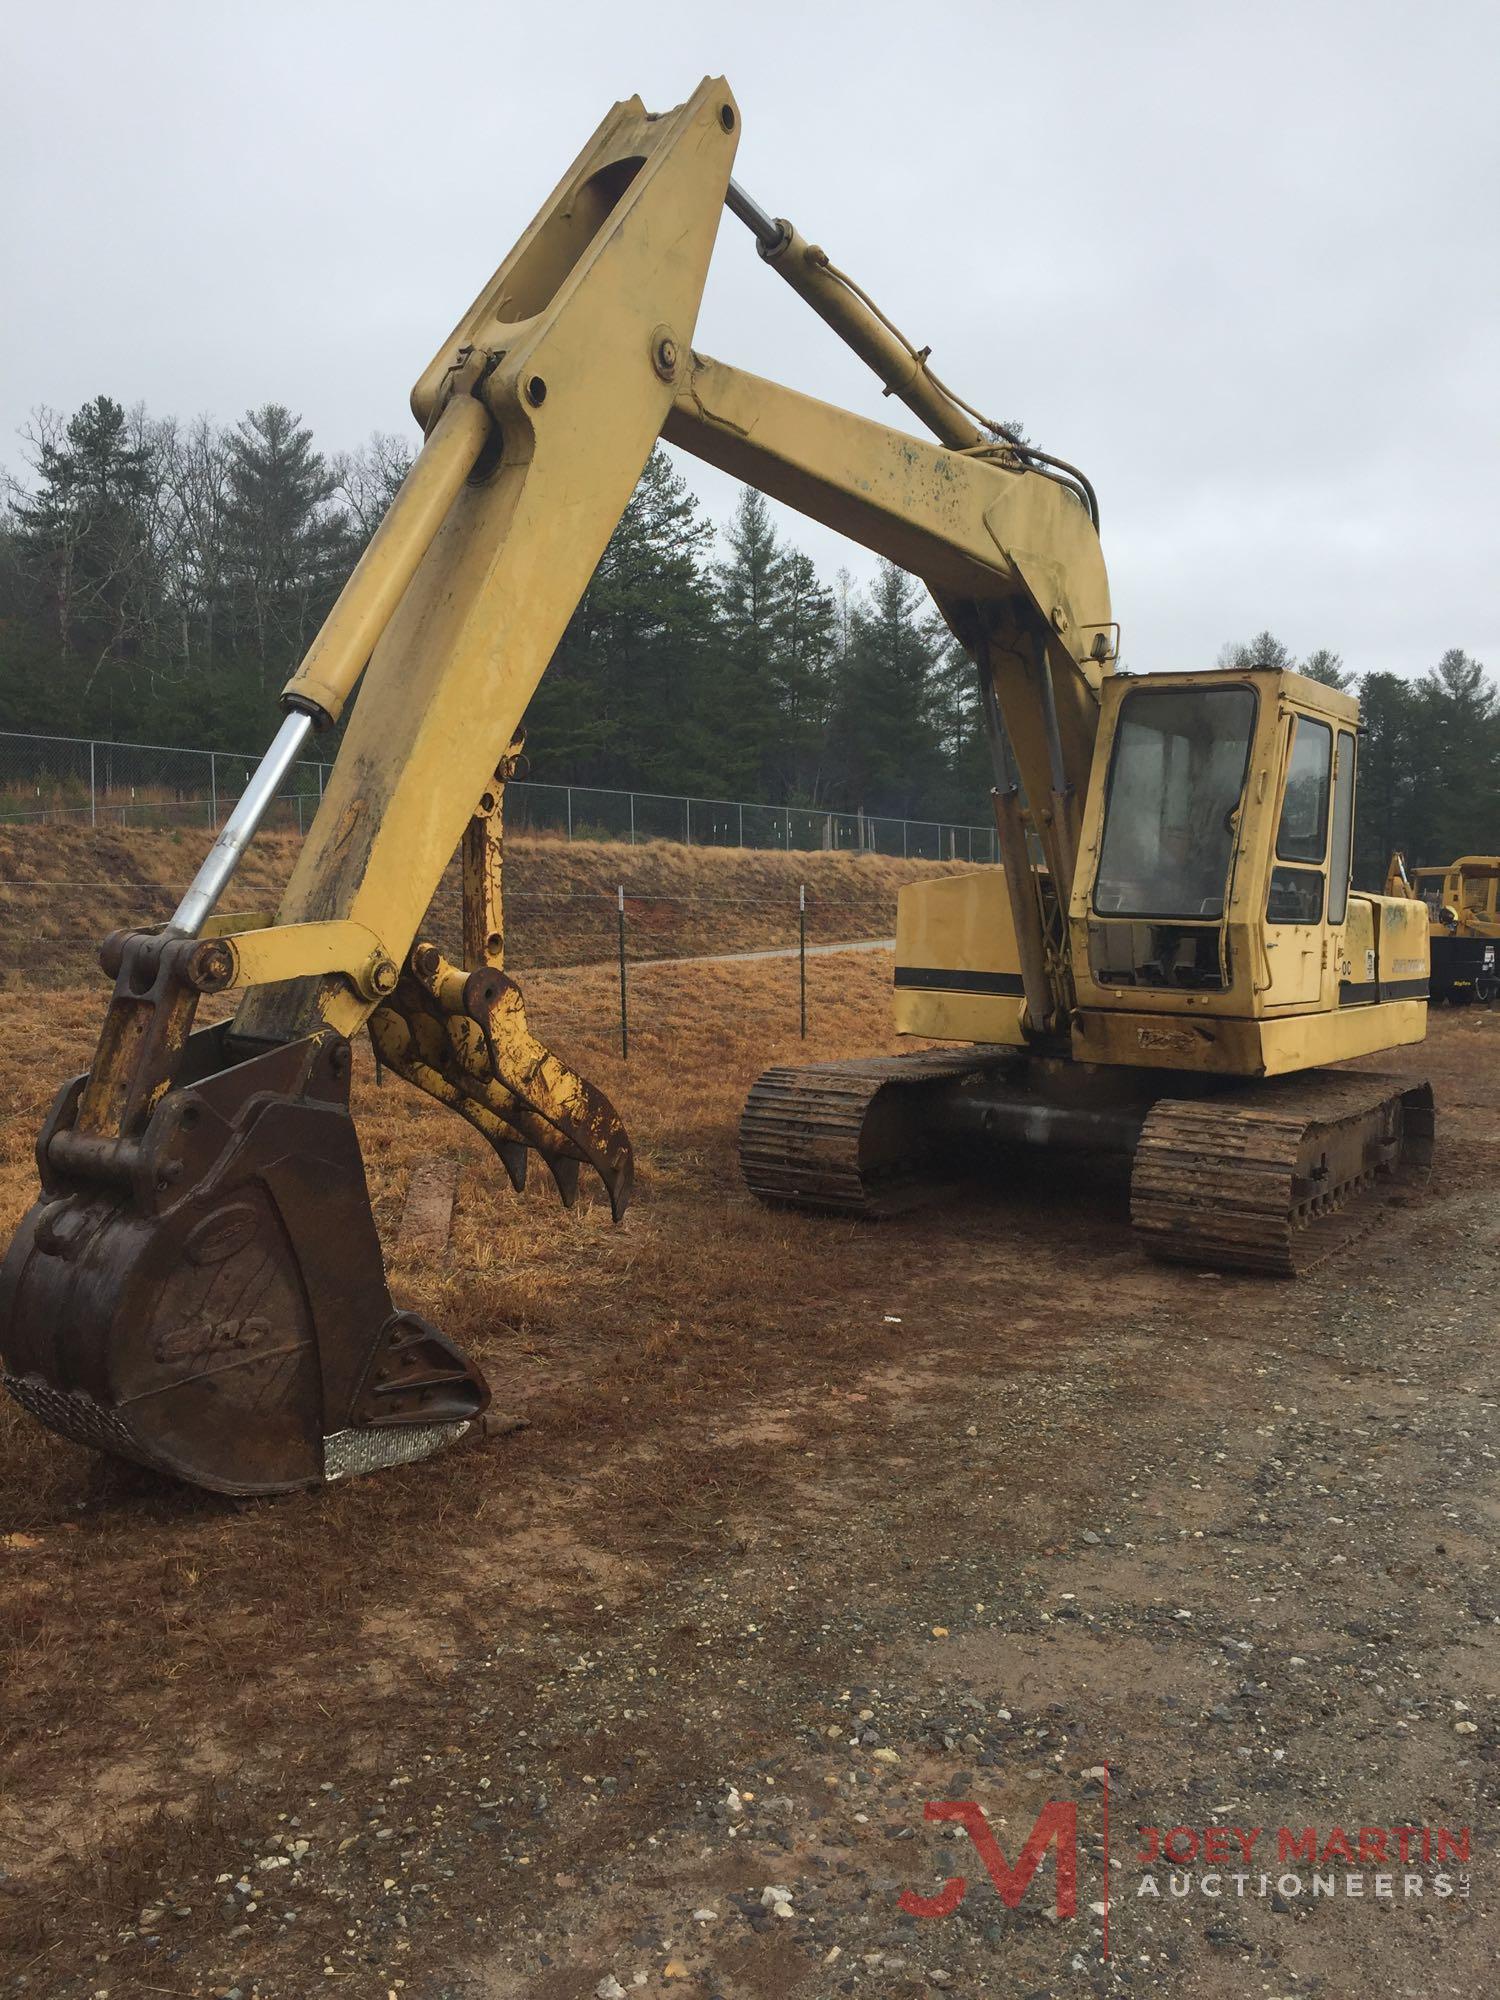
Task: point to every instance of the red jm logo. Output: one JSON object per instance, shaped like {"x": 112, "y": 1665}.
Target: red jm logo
{"x": 1055, "y": 1822}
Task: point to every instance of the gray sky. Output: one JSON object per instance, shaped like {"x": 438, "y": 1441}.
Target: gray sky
{"x": 1237, "y": 261}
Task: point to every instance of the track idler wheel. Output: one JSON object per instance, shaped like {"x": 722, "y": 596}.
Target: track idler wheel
{"x": 208, "y": 1298}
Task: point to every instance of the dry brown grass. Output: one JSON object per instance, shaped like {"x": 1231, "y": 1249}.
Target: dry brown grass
{"x": 64, "y": 888}
{"x": 149, "y": 1618}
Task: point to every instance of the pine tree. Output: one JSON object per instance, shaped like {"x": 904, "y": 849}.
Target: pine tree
{"x": 85, "y": 533}
{"x": 968, "y": 763}
{"x": 287, "y": 547}
{"x": 804, "y": 659}
{"x": 1264, "y": 650}
{"x": 623, "y": 703}
{"x": 1457, "y": 745}
{"x": 1327, "y": 667}
{"x": 1383, "y": 796}
{"x": 743, "y": 701}
{"x": 887, "y": 726}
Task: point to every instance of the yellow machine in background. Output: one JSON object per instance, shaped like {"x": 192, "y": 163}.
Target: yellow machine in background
{"x": 1463, "y": 913}
{"x": 199, "y": 1285}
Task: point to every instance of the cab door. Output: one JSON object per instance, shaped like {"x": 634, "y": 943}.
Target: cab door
{"x": 1296, "y": 930}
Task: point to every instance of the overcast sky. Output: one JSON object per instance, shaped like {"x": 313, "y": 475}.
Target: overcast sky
{"x": 1238, "y": 261}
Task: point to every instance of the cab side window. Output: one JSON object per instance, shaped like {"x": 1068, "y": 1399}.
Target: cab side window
{"x": 1340, "y": 864}
{"x": 1303, "y": 832}
{"x": 1296, "y": 894}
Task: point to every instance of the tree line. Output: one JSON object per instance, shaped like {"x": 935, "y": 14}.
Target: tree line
{"x": 159, "y": 580}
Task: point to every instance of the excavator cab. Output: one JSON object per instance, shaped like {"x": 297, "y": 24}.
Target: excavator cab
{"x": 1212, "y": 927}
{"x": 1213, "y": 920}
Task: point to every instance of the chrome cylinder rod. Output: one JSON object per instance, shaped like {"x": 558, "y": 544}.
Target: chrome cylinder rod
{"x": 239, "y": 829}
{"x": 768, "y": 232}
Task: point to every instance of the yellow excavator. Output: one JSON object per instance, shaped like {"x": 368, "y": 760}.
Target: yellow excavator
{"x": 1463, "y": 920}
{"x": 199, "y": 1285}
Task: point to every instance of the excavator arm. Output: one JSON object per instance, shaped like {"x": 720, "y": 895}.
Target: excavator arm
{"x": 200, "y": 1285}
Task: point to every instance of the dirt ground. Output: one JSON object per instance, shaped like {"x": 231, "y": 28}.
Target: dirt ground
{"x": 809, "y": 1525}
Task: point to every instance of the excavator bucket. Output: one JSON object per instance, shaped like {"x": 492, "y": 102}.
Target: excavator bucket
{"x": 206, "y": 1295}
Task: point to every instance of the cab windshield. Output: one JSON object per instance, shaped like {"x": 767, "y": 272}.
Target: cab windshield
{"x": 1176, "y": 778}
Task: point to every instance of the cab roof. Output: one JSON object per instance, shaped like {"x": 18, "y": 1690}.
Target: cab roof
{"x": 1312, "y": 695}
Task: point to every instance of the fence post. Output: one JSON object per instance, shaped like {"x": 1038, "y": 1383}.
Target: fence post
{"x": 624, "y": 1007}
{"x": 687, "y": 822}
{"x": 802, "y": 952}
{"x": 93, "y": 796}
{"x": 632, "y": 819}
{"x": 741, "y": 811}
{"x": 213, "y": 790}
{"x": 570, "y": 812}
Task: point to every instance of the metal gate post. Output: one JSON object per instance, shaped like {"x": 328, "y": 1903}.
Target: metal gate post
{"x": 624, "y": 1009}
{"x": 802, "y": 951}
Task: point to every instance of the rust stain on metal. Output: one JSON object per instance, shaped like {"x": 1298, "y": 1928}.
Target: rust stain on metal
{"x": 348, "y": 819}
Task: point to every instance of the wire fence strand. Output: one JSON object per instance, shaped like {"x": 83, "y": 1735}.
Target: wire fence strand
{"x": 85, "y": 781}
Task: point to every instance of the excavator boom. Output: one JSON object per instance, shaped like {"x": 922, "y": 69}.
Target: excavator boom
{"x": 200, "y": 1286}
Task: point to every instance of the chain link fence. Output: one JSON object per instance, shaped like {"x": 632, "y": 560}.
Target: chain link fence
{"x": 81, "y": 781}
